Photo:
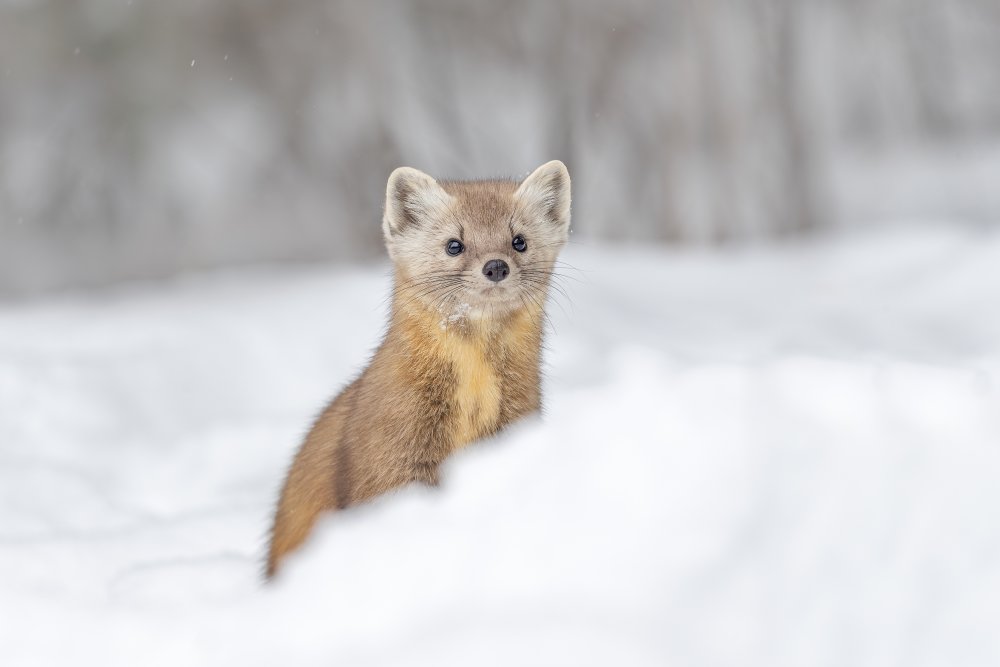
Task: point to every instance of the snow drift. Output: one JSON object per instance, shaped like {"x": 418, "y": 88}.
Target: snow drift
{"x": 777, "y": 457}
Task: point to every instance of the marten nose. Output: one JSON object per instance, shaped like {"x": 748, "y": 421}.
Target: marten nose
{"x": 496, "y": 270}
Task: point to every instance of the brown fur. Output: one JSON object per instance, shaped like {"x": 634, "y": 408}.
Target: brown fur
{"x": 439, "y": 381}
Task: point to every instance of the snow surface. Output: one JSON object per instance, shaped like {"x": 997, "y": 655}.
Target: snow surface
{"x": 784, "y": 456}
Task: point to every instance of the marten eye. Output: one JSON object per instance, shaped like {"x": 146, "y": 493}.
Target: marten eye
{"x": 519, "y": 243}
{"x": 454, "y": 247}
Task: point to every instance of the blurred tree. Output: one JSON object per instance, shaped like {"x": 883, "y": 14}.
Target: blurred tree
{"x": 140, "y": 138}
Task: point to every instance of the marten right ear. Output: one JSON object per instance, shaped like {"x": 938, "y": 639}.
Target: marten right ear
{"x": 411, "y": 198}
{"x": 546, "y": 193}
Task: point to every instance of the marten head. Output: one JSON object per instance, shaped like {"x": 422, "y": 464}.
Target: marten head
{"x": 475, "y": 249}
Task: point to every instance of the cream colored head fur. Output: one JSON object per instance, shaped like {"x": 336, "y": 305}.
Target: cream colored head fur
{"x": 423, "y": 215}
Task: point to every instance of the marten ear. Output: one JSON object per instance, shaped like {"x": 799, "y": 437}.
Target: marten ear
{"x": 546, "y": 194}
{"x": 411, "y": 197}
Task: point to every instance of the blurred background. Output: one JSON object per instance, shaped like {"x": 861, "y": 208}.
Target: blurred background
{"x": 772, "y": 364}
{"x": 140, "y": 139}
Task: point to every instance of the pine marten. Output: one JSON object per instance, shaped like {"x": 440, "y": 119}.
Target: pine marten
{"x": 460, "y": 360}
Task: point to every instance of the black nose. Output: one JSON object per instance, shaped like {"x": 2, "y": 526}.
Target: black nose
{"x": 496, "y": 270}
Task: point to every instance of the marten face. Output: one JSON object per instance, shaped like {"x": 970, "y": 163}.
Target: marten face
{"x": 475, "y": 249}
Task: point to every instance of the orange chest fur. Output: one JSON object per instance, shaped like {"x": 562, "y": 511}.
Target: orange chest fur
{"x": 477, "y": 393}
{"x": 480, "y": 366}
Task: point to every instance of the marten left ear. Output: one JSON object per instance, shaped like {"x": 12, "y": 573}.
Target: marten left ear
{"x": 546, "y": 194}
{"x": 411, "y": 199}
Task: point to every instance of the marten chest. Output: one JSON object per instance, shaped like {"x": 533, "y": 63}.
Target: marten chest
{"x": 478, "y": 376}
{"x": 477, "y": 392}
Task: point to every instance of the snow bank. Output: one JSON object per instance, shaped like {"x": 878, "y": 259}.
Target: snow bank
{"x": 775, "y": 457}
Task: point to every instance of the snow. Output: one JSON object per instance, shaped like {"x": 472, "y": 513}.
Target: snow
{"x": 770, "y": 456}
